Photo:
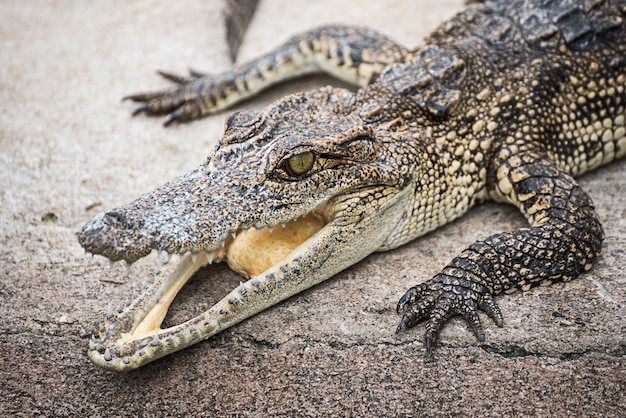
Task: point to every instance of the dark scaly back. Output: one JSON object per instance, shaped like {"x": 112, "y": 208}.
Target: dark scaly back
{"x": 558, "y": 69}
{"x": 544, "y": 94}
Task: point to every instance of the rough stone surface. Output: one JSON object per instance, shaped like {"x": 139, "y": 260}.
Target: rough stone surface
{"x": 68, "y": 149}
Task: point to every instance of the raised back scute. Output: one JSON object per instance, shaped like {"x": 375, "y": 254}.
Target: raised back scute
{"x": 579, "y": 24}
{"x": 432, "y": 80}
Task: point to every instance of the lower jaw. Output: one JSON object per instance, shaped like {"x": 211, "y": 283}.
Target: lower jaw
{"x": 137, "y": 328}
{"x": 249, "y": 253}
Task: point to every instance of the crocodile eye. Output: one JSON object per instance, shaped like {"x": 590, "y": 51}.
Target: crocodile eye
{"x": 301, "y": 163}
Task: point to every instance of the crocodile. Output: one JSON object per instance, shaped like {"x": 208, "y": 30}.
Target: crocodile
{"x": 508, "y": 101}
{"x": 237, "y": 16}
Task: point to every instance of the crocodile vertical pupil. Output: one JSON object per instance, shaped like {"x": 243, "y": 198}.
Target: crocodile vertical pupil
{"x": 301, "y": 163}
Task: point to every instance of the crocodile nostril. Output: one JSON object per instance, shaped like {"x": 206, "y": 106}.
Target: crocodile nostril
{"x": 117, "y": 219}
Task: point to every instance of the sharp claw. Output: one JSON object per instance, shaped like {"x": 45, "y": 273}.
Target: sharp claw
{"x": 488, "y": 305}
{"x": 474, "y": 321}
{"x": 402, "y": 302}
{"x": 429, "y": 343}
{"x": 142, "y": 97}
{"x": 410, "y": 297}
{"x": 143, "y": 108}
{"x": 175, "y": 78}
{"x": 173, "y": 117}
{"x": 169, "y": 120}
{"x": 405, "y": 322}
{"x": 196, "y": 74}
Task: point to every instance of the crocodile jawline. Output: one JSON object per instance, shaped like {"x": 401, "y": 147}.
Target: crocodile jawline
{"x": 129, "y": 333}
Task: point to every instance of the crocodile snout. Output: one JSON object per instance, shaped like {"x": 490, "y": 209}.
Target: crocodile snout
{"x": 118, "y": 219}
{"x": 116, "y": 235}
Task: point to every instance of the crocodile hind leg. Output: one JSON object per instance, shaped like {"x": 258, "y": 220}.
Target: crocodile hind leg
{"x": 355, "y": 55}
{"x": 564, "y": 238}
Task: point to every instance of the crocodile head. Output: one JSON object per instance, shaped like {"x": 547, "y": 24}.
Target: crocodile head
{"x": 324, "y": 188}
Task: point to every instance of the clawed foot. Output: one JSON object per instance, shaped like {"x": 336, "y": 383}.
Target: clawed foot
{"x": 181, "y": 104}
{"x": 442, "y": 298}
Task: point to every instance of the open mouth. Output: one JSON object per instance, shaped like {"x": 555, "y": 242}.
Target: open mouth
{"x": 132, "y": 335}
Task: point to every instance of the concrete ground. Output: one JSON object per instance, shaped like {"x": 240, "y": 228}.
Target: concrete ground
{"x": 69, "y": 149}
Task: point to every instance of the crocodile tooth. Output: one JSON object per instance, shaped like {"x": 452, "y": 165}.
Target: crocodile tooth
{"x": 233, "y": 234}
{"x": 109, "y": 313}
{"x": 209, "y": 257}
{"x": 92, "y": 344}
{"x": 270, "y": 228}
{"x": 284, "y": 225}
{"x": 111, "y": 264}
{"x": 107, "y": 355}
{"x": 155, "y": 340}
{"x": 168, "y": 258}
{"x": 194, "y": 257}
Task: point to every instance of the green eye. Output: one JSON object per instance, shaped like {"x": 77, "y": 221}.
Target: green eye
{"x": 301, "y": 163}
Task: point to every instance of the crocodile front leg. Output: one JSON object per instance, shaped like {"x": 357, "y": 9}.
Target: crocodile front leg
{"x": 355, "y": 55}
{"x": 564, "y": 238}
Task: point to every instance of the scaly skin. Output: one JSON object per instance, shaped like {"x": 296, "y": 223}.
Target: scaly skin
{"x": 507, "y": 101}
{"x": 237, "y": 17}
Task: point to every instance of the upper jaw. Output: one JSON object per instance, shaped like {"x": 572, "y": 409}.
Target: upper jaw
{"x": 188, "y": 223}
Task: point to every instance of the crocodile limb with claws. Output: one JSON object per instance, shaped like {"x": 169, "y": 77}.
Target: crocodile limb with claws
{"x": 507, "y": 101}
